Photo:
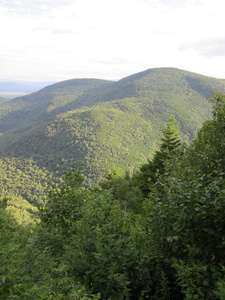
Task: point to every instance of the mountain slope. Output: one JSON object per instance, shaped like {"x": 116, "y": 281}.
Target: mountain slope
{"x": 3, "y": 99}
{"x": 41, "y": 106}
{"x": 103, "y": 124}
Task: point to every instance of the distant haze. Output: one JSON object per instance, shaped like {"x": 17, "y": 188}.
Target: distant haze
{"x": 20, "y": 88}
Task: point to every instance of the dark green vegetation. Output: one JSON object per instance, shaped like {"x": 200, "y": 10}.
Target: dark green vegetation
{"x": 102, "y": 124}
{"x": 155, "y": 232}
{"x": 122, "y": 241}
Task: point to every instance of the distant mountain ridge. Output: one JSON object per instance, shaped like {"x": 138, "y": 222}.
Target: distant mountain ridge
{"x": 103, "y": 124}
{"x": 23, "y": 86}
{"x": 15, "y": 88}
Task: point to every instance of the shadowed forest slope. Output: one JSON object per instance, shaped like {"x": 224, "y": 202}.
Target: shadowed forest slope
{"x": 103, "y": 124}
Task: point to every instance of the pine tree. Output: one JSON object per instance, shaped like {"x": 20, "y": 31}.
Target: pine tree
{"x": 171, "y": 146}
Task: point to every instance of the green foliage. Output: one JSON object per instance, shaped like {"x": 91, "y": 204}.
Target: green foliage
{"x": 94, "y": 236}
{"x": 101, "y": 124}
{"x": 186, "y": 222}
{"x": 207, "y": 150}
{"x": 28, "y": 273}
{"x": 12, "y": 243}
{"x": 171, "y": 147}
{"x": 111, "y": 241}
{"x": 184, "y": 212}
{"x": 63, "y": 207}
{"x": 23, "y": 178}
{"x": 195, "y": 279}
{"x": 26, "y": 186}
{"x": 123, "y": 188}
{"x": 22, "y": 210}
{"x": 220, "y": 286}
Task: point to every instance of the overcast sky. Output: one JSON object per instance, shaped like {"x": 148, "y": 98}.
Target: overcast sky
{"x": 54, "y": 40}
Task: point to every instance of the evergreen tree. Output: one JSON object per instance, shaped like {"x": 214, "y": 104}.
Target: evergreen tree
{"x": 208, "y": 150}
{"x": 184, "y": 215}
{"x": 171, "y": 146}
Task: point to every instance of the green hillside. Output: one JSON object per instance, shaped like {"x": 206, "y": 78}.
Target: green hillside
{"x": 44, "y": 105}
{"x": 23, "y": 178}
{"x": 25, "y": 185}
{"x": 155, "y": 234}
{"x": 3, "y": 99}
{"x": 103, "y": 124}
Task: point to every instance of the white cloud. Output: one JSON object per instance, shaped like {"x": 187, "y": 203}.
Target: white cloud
{"x": 210, "y": 47}
{"x": 57, "y": 40}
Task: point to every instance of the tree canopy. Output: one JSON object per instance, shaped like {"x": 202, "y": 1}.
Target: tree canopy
{"x": 170, "y": 147}
{"x": 118, "y": 241}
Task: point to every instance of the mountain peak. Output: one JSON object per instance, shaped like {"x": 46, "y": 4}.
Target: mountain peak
{"x": 100, "y": 123}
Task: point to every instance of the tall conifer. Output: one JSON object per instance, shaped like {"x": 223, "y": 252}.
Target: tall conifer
{"x": 170, "y": 147}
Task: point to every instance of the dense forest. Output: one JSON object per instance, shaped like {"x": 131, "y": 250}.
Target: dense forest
{"x": 100, "y": 124}
{"x": 156, "y": 233}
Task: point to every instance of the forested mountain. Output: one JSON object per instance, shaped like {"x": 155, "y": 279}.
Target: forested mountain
{"x": 25, "y": 185}
{"x": 3, "y": 99}
{"x": 155, "y": 234}
{"x": 104, "y": 124}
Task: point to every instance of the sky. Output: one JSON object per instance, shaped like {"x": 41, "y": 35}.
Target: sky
{"x": 56, "y": 40}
